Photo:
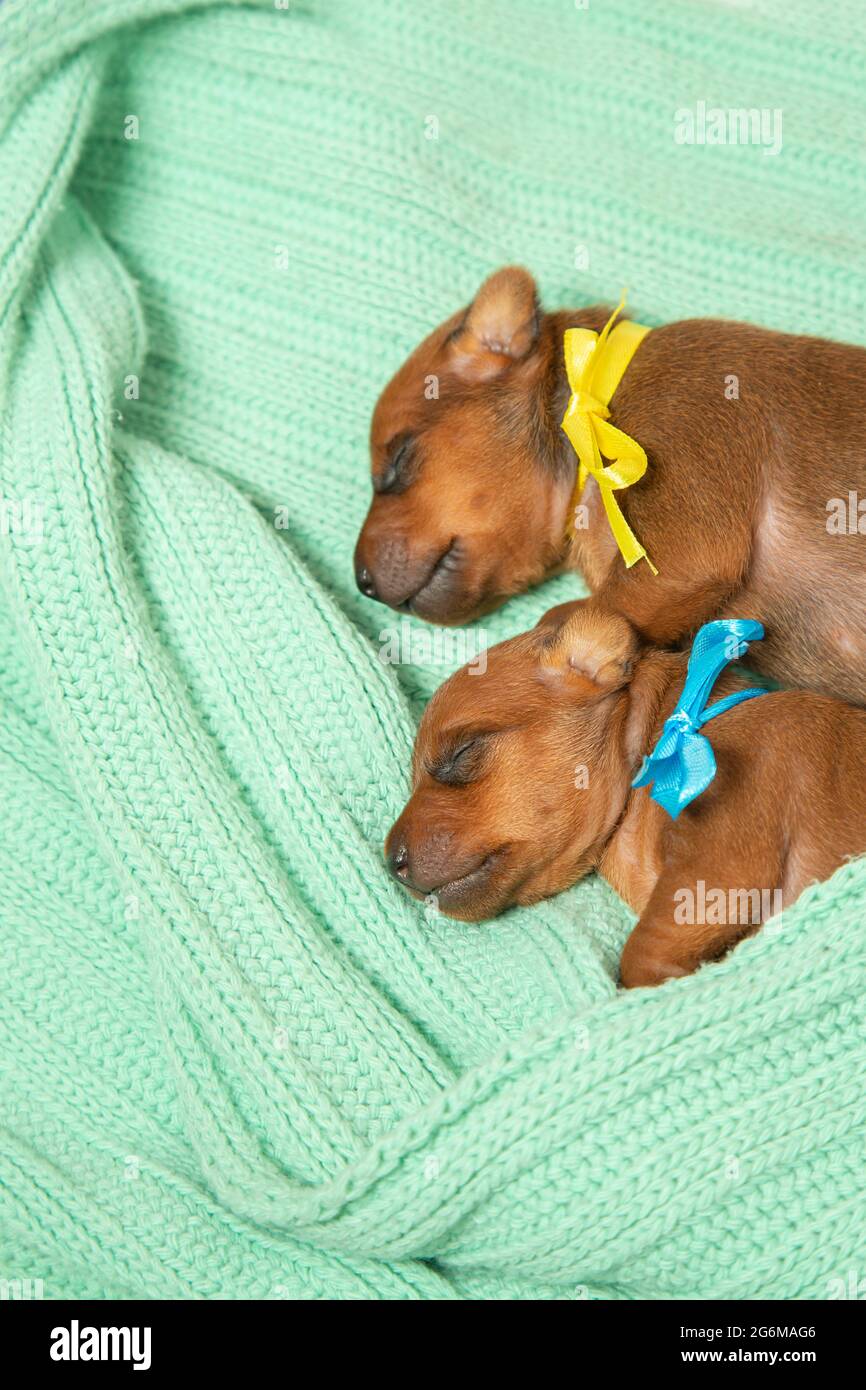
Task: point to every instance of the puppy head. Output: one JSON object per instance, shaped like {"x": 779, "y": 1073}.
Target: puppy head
{"x": 467, "y": 507}
{"x": 520, "y": 774}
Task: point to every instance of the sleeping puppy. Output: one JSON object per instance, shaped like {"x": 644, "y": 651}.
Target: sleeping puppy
{"x": 522, "y": 784}
{"x": 750, "y": 504}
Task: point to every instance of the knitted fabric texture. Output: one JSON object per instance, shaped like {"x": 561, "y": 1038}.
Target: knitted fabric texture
{"x": 237, "y": 1060}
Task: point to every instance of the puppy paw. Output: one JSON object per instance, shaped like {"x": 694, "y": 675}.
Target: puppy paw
{"x": 640, "y": 968}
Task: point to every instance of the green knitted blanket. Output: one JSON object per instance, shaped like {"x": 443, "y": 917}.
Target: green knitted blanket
{"x": 236, "y": 1060}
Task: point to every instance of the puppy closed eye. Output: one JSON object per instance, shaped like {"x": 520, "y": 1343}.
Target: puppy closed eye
{"x": 456, "y": 768}
{"x": 398, "y": 470}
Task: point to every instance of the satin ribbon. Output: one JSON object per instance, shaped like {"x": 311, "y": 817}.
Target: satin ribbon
{"x": 595, "y": 364}
{"x": 683, "y": 764}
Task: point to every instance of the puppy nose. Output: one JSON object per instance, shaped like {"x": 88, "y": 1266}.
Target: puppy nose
{"x": 364, "y": 580}
{"x": 398, "y": 862}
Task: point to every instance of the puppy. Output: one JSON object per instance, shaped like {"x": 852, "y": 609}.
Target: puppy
{"x": 522, "y": 784}
{"x": 756, "y": 442}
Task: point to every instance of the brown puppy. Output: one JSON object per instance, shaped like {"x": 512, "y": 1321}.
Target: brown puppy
{"x": 522, "y": 785}
{"x": 754, "y": 439}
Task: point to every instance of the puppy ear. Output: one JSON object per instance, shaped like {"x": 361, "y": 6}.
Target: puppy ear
{"x": 501, "y": 325}
{"x": 553, "y": 619}
{"x": 592, "y": 651}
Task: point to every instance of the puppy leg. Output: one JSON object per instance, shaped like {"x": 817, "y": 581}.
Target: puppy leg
{"x": 665, "y": 609}
{"x": 698, "y": 910}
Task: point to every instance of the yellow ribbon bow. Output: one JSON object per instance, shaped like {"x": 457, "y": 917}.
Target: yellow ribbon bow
{"x": 596, "y": 363}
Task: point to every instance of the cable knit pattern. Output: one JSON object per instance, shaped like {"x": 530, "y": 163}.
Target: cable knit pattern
{"x": 236, "y": 1060}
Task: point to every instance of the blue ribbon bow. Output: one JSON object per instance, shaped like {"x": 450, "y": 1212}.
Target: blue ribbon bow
{"x": 683, "y": 764}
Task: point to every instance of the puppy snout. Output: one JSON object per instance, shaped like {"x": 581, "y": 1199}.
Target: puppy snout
{"x": 419, "y": 859}
{"x": 365, "y": 567}
{"x": 410, "y": 869}
{"x": 392, "y": 569}
{"x": 398, "y": 862}
{"x": 365, "y": 582}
